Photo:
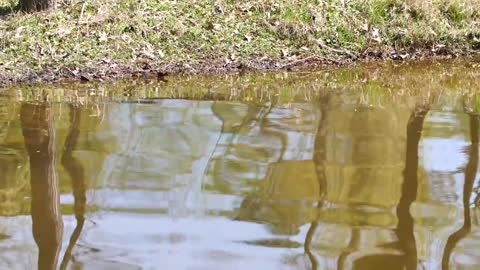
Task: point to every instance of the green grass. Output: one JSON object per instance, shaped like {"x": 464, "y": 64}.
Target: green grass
{"x": 102, "y": 35}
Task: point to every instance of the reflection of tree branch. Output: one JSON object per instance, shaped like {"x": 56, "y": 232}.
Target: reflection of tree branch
{"x": 308, "y": 244}
{"x": 476, "y": 201}
{"x": 354, "y": 241}
{"x": 319, "y": 157}
{"x": 47, "y": 226}
{"x": 251, "y": 116}
{"x": 405, "y": 226}
{"x": 470, "y": 175}
{"x": 76, "y": 172}
{"x": 281, "y": 135}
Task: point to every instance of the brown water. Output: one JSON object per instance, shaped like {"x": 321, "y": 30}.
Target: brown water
{"x": 373, "y": 167}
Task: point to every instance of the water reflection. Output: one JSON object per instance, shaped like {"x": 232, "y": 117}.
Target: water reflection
{"x": 47, "y": 226}
{"x": 77, "y": 175}
{"x": 337, "y": 180}
{"x": 39, "y": 133}
{"x": 319, "y": 158}
{"x": 470, "y": 176}
{"x": 405, "y": 225}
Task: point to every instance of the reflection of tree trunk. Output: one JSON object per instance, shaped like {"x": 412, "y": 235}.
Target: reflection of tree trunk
{"x": 405, "y": 226}
{"x": 470, "y": 175}
{"x": 77, "y": 174}
{"x": 319, "y": 156}
{"x": 47, "y": 226}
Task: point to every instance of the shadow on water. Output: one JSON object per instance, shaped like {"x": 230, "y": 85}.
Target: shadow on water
{"x": 470, "y": 175}
{"x": 47, "y": 225}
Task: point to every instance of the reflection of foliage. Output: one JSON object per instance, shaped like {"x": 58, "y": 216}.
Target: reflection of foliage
{"x": 13, "y": 180}
{"x": 14, "y": 171}
{"x": 379, "y": 84}
{"x": 11, "y": 198}
{"x": 472, "y": 103}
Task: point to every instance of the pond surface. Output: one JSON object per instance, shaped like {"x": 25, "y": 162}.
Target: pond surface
{"x": 372, "y": 167}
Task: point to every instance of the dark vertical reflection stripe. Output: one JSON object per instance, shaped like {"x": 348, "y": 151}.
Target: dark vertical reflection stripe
{"x": 319, "y": 157}
{"x": 354, "y": 241}
{"x": 470, "y": 175}
{"x": 76, "y": 172}
{"x": 47, "y": 226}
{"x": 405, "y": 226}
{"x": 308, "y": 245}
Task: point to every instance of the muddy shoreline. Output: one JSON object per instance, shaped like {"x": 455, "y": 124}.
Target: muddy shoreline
{"x": 106, "y": 72}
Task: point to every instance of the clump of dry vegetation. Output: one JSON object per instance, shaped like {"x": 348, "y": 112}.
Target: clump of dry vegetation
{"x": 110, "y": 38}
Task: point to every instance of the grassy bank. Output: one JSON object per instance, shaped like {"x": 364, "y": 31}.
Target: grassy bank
{"x": 107, "y": 38}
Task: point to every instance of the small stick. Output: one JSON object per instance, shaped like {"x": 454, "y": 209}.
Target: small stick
{"x": 81, "y": 12}
{"x": 293, "y": 63}
{"x": 324, "y": 46}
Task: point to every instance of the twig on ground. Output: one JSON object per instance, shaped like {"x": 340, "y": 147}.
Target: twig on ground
{"x": 344, "y": 51}
{"x": 304, "y": 60}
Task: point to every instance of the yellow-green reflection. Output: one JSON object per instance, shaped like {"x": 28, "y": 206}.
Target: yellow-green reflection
{"x": 361, "y": 168}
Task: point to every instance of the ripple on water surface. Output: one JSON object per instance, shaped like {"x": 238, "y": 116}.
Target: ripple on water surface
{"x": 373, "y": 167}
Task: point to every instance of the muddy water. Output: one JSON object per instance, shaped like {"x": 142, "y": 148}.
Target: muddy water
{"x": 374, "y": 167}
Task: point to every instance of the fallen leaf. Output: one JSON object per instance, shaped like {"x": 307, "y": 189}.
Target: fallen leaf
{"x": 161, "y": 53}
{"x": 375, "y": 34}
{"x": 103, "y": 37}
{"x": 18, "y": 32}
{"x": 64, "y": 31}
